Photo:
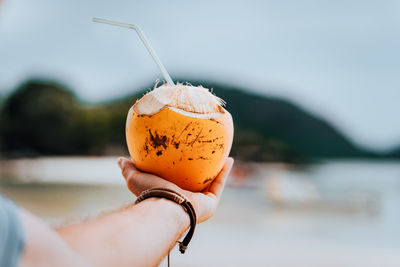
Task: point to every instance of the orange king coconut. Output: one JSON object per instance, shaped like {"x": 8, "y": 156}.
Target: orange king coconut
{"x": 181, "y": 133}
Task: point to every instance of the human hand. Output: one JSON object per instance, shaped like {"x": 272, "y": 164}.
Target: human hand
{"x": 205, "y": 203}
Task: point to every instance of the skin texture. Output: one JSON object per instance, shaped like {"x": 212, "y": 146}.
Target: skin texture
{"x": 187, "y": 151}
{"x": 135, "y": 235}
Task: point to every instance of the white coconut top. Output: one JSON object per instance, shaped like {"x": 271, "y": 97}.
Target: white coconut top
{"x": 185, "y": 99}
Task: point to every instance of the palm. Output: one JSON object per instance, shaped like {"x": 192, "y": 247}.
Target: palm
{"x": 205, "y": 202}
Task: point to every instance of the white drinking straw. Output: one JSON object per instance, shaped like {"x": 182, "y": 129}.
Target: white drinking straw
{"x": 145, "y": 42}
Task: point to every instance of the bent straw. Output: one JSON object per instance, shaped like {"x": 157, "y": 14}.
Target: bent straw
{"x": 145, "y": 42}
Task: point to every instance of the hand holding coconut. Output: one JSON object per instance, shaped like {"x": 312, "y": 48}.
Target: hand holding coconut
{"x": 205, "y": 203}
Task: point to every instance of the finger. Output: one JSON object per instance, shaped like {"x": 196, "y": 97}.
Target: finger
{"x": 138, "y": 181}
{"x": 134, "y": 180}
{"x": 218, "y": 184}
{"x": 128, "y": 169}
{"x": 120, "y": 159}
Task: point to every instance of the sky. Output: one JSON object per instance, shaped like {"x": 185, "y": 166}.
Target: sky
{"x": 337, "y": 59}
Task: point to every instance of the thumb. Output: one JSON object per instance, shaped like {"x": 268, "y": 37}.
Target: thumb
{"x": 127, "y": 168}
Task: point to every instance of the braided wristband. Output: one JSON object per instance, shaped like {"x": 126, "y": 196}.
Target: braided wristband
{"x": 179, "y": 199}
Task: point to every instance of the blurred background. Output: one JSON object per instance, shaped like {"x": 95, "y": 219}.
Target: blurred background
{"x": 313, "y": 88}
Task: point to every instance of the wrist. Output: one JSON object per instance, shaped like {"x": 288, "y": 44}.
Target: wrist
{"x": 159, "y": 192}
{"x": 169, "y": 209}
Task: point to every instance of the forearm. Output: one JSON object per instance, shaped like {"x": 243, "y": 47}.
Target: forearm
{"x": 139, "y": 235}
{"x": 44, "y": 247}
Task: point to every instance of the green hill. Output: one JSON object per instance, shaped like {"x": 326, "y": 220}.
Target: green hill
{"x": 274, "y": 129}
{"x": 394, "y": 153}
{"x": 45, "y": 118}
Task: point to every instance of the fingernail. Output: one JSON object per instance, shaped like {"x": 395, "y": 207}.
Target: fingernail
{"x": 120, "y": 159}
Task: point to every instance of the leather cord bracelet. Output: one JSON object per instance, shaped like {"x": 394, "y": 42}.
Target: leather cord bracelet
{"x": 179, "y": 199}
